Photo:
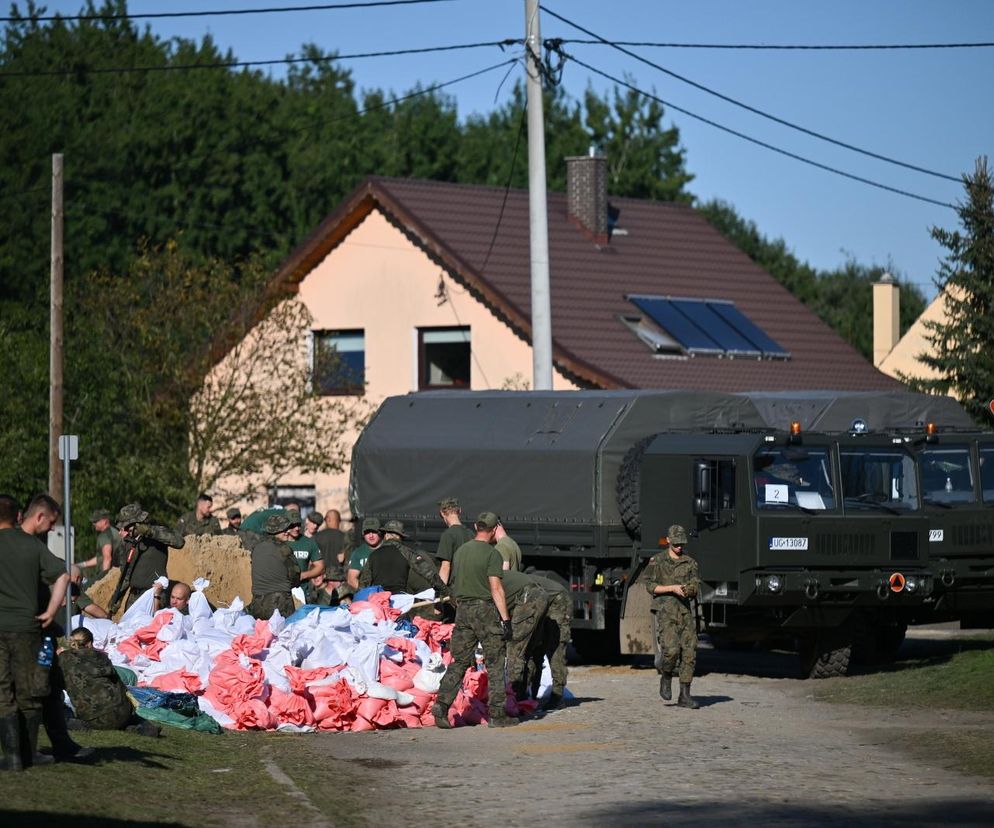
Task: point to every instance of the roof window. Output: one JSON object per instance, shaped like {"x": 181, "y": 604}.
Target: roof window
{"x": 704, "y": 327}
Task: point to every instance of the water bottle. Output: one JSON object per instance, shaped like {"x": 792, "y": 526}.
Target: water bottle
{"x": 480, "y": 664}
{"x": 949, "y": 484}
{"x": 46, "y": 652}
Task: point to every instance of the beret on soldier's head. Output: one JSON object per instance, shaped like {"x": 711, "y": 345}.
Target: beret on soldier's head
{"x": 371, "y": 524}
{"x": 293, "y": 516}
{"x": 676, "y": 534}
{"x": 448, "y": 504}
{"x": 131, "y": 514}
{"x": 234, "y": 512}
{"x": 276, "y": 523}
{"x": 395, "y": 526}
{"x": 315, "y": 517}
{"x": 98, "y": 514}
{"x": 488, "y": 519}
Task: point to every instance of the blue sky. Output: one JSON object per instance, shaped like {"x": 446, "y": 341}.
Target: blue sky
{"x": 931, "y": 108}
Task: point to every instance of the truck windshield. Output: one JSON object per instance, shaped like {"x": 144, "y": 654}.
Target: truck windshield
{"x": 987, "y": 474}
{"x": 877, "y": 478}
{"x": 947, "y": 476}
{"x": 785, "y": 476}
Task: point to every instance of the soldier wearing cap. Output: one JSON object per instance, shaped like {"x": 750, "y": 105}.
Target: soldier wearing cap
{"x": 673, "y": 580}
{"x": 481, "y": 616}
{"x": 110, "y": 547}
{"x": 454, "y": 535}
{"x": 234, "y": 515}
{"x": 372, "y": 537}
{"x": 274, "y": 570}
{"x": 398, "y": 568}
{"x": 150, "y": 542}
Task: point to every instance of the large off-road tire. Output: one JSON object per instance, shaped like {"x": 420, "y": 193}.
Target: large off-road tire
{"x": 627, "y": 487}
{"x": 878, "y": 644}
{"x": 825, "y": 655}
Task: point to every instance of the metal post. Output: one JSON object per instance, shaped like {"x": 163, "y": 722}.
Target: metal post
{"x": 55, "y": 333}
{"x": 68, "y": 450}
{"x": 537, "y": 209}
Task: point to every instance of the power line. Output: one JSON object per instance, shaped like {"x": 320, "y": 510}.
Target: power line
{"x": 831, "y": 47}
{"x": 507, "y": 189}
{"x": 218, "y": 12}
{"x": 105, "y": 70}
{"x": 760, "y": 143}
{"x": 820, "y": 136}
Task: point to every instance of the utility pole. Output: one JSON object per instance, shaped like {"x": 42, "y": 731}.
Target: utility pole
{"x": 55, "y": 470}
{"x": 537, "y": 211}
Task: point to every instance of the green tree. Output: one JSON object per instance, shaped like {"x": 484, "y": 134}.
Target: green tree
{"x": 962, "y": 345}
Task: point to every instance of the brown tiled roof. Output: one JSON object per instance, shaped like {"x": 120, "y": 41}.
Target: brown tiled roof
{"x": 665, "y": 249}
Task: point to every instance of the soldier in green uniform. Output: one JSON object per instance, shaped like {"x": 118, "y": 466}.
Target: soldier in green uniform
{"x": 327, "y": 592}
{"x": 398, "y": 568}
{"x": 673, "y": 579}
{"x": 97, "y": 693}
{"x": 528, "y": 603}
{"x": 552, "y": 639}
{"x": 274, "y": 571}
{"x": 481, "y": 616}
{"x": 110, "y": 547}
{"x": 372, "y": 537}
{"x": 305, "y": 550}
{"x": 335, "y": 544}
{"x": 453, "y": 536}
{"x": 151, "y": 544}
{"x": 508, "y": 548}
{"x": 200, "y": 521}
{"x": 25, "y": 565}
{"x": 234, "y": 515}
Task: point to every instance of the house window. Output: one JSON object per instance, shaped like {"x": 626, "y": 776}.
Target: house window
{"x": 443, "y": 358}
{"x": 339, "y": 362}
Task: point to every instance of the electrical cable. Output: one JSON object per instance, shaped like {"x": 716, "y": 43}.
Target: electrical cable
{"x": 760, "y": 143}
{"x": 507, "y": 189}
{"x": 832, "y": 47}
{"x": 820, "y": 136}
{"x": 218, "y": 12}
{"x": 238, "y": 64}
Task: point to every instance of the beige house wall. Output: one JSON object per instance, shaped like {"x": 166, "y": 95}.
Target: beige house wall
{"x": 379, "y": 281}
{"x": 902, "y": 361}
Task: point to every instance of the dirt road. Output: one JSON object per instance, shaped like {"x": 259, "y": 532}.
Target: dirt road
{"x": 759, "y": 749}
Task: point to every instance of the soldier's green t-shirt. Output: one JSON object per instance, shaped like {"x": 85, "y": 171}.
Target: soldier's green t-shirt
{"x": 472, "y": 566}
{"x": 255, "y": 522}
{"x": 25, "y": 563}
{"x": 510, "y": 552}
{"x": 269, "y": 570}
{"x": 514, "y": 582}
{"x": 117, "y": 552}
{"x": 359, "y": 556}
{"x": 190, "y": 525}
{"x": 452, "y": 538}
{"x": 306, "y": 551}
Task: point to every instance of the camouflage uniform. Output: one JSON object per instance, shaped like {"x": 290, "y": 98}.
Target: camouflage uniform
{"x": 527, "y": 619}
{"x": 97, "y": 693}
{"x": 190, "y": 525}
{"x": 676, "y": 625}
{"x": 421, "y": 573}
{"x": 274, "y": 572}
{"x": 552, "y": 642}
{"x": 476, "y": 620}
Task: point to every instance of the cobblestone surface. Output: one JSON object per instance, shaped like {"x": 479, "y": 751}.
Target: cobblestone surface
{"x": 758, "y": 749}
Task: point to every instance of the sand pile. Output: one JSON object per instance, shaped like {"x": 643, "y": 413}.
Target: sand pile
{"x": 221, "y": 559}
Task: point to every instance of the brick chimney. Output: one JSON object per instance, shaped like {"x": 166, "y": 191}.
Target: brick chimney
{"x": 586, "y": 194}
{"x": 886, "y": 317}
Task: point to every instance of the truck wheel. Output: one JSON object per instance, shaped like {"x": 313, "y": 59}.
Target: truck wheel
{"x": 627, "y": 487}
{"x": 889, "y": 641}
{"x": 825, "y": 656}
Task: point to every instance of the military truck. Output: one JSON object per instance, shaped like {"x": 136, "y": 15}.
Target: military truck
{"x": 806, "y": 509}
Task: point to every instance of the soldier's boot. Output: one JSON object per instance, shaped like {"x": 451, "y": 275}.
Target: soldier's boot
{"x": 30, "y": 757}
{"x": 500, "y": 719}
{"x": 519, "y": 689}
{"x": 686, "y": 700}
{"x": 666, "y": 686}
{"x": 10, "y": 740}
{"x": 553, "y": 701}
{"x": 64, "y": 748}
{"x": 440, "y": 712}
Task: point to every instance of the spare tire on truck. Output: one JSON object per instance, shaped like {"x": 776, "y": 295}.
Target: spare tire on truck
{"x": 627, "y": 487}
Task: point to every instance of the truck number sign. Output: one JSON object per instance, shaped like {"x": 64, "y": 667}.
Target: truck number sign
{"x": 789, "y": 543}
{"x": 936, "y": 535}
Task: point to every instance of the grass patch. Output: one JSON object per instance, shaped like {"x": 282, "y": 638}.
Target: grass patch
{"x": 951, "y": 675}
{"x": 962, "y": 750}
{"x": 181, "y": 778}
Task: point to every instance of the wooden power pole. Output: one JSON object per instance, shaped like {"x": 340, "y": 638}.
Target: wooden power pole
{"x": 55, "y": 361}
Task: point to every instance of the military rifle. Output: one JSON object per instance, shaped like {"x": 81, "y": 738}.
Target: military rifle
{"x": 123, "y": 585}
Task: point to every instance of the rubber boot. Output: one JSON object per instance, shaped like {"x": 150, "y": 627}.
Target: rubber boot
{"x": 686, "y": 700}
{"x": 30, "y": 756}
{"x": 10, "y": 740}
{"x": 500, "y": 719}
{"x": 666, "y": 686}
{"x": 64, "y": 749}
{"x": 441, "y": 714}
{"x": 554, "y": 701}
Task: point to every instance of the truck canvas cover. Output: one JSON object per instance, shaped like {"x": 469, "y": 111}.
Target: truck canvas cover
{"x": 552, "y": 457}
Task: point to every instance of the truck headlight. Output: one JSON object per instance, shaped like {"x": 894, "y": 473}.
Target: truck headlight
{"x": 774, "y": 583}
{"x": 911, "y": 584}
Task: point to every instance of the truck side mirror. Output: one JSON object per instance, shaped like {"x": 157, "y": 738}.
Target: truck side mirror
{"x": 703, "y": 487}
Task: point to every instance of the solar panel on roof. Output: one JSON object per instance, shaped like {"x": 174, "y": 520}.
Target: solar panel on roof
{"x": 691, "y": 337}
{"x": 704, "y": 315}
{"x": 738, "y": 320}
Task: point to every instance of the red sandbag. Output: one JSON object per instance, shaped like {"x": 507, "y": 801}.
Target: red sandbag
{"x": 422, "y": 700}
{"x": 255, "y": 643}
{"x": 433, "y": 632}
{"x": 395, "y": 675}
{"x": 409, "y": 718}
{"x": 370, "y": 708}
{"x": 154, "y": 650}
{"x": 403, "y": 645}
{"x": 388, "y": 716}
{"x": 178, "y": 681}
{"x": 334, "y": 705}
{"x": 289, "y": 708}
{"x": 360, "y": 724}
{"x": 299, "y": 678}
{"x": 251, "y": 714}
{"x": 230, "y": 682}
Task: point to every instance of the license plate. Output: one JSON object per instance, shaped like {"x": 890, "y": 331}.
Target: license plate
{"x": 936, "y": 535}
{"x": 789, "y": 543}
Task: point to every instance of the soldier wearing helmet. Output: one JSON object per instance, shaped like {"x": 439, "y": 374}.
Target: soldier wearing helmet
{"x": 673, "y": 579}
{"x": 151, "y": 543}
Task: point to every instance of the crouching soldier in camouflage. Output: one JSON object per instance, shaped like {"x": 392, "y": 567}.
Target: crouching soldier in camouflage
{"x": 274, "y": 571}
{"x": 672, "y": 579}
{"x": 98, "y": 695}
{"x": 527, "y": 602}
{"x": 552, "y": 640}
